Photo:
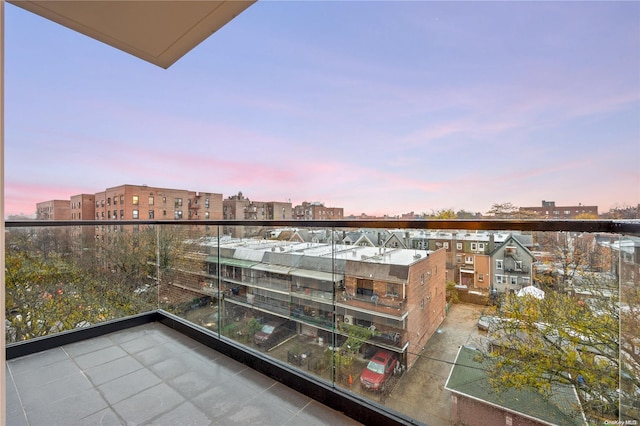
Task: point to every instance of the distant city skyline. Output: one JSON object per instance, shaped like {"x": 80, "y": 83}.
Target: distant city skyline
{"x": 375, "y": 107}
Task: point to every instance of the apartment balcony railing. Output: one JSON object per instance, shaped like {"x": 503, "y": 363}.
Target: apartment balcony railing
{"x": 62, "y": 283}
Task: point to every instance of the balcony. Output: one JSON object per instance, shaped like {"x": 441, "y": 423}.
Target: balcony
{"x": 151, "y": 333}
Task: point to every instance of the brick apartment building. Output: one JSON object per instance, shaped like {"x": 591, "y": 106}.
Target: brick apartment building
{"x": 82, "y": 207}
{"x": 130, "y": 202}
{"x": 317, "y": 211}
{"x": 239, "y": 207}
{"x": 483, "y": 260}
{"x": 399, "y": 294}
{"x": 549, "y": 210}
{"x": 53, "y": 210}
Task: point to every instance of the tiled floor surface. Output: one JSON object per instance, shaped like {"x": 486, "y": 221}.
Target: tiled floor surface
{"x": 150, "y": 375}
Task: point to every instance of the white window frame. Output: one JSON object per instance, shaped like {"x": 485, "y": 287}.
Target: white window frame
{"x": 499, "y": 264}
{"x": 458, "y": 246}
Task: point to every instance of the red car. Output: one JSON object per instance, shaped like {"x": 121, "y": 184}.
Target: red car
{"x": 378, "y": 371}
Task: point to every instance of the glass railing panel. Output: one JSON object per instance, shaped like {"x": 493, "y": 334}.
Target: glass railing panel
{"x": 188, "y": 279}
{"x": 629, "y": 273}
{"x": 65, "y": 277}
{"x": 377, "y": 313}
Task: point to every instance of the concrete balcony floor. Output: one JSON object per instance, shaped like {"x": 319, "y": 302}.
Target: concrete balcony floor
{"x": 150, "y": 375}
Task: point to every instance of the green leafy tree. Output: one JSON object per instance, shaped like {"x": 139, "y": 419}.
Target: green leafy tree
{"x": 443, "y": 214}
{"x": 51, "y": 292}
{"x": 572, "y": 254}
{"x": 630, "y": 352}
{"x": 560, "y": 340}
{"x": 452, "y": 292}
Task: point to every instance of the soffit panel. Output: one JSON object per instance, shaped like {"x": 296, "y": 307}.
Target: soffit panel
{"x": 160, "y": 32}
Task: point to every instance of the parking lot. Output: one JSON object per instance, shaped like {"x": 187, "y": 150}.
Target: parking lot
{"x": 420, "y": 391}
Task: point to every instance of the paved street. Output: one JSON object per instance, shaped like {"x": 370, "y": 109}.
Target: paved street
{"x": 420, "y": 392}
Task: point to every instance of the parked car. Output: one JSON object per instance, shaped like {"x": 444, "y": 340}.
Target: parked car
{"x": 376, "y": 374}
{"x": 272, "y": 333}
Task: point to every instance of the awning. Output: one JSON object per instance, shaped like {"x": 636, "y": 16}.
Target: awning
{"x": 231, "y": 262}
{"x": 316, "y": 275}
{"x": 276, "y": 269}
{"x": 374, "y": 313}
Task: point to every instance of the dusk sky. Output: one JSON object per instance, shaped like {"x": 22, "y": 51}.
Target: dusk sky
{"x": 377, "y": 107}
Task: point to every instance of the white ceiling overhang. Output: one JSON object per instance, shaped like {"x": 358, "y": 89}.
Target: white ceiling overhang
{"x": 160, "y": 32}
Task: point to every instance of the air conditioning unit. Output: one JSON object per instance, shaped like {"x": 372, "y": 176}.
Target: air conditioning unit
{"x": 348, "y": 319}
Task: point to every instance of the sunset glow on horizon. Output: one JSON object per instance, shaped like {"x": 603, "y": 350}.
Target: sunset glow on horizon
{"x": 381, "y": 108}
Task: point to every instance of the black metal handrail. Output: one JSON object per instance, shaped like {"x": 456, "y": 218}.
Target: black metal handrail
{"x": 627, "y": 227}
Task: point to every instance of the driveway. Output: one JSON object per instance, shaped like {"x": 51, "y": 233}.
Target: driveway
{"x": 420, "y": 392}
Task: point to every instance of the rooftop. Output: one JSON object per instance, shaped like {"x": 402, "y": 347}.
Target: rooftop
{"x": 469, "y": 378}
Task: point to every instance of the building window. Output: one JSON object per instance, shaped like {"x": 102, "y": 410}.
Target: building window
{"x": 135, "y": 200}
{"x": 164, "y": 212}
{"x": 115, "y": 201}
{"x": 101, "y": 203}
{"x": 468, "y": 259}
{"x": 108, "y": 213}
{"x": 121, "y": 214}
{"x": 151, "y": 214}
{"x": 206, "y": 215}
{"x": 446, "y": 245}
{"x": 115, "y": 215}
{"x": 481, "y": 246}
{"x": 518, "y": 265}
{"x": 393, "y": 290}
{"x": 135, "y": 214}
{"x": 501, "y": 279}
{"x": 498, "y": 263}
{"x": 514, "y": 280}
{"x": 97, "y": 204}
{"x": 178, "y": 214}
{"x": 480, "y": 278}
{"x": 458, "y": 258}
{"x": 364, "y": 287}
{"x": 458, "y": 246}
{"x": 102, "y": 215}
{"x": 178, "y": 202}
{"x": 151, "y": 200}
{"x": 109, "y": 201}
{"x": 122, "y": 199}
